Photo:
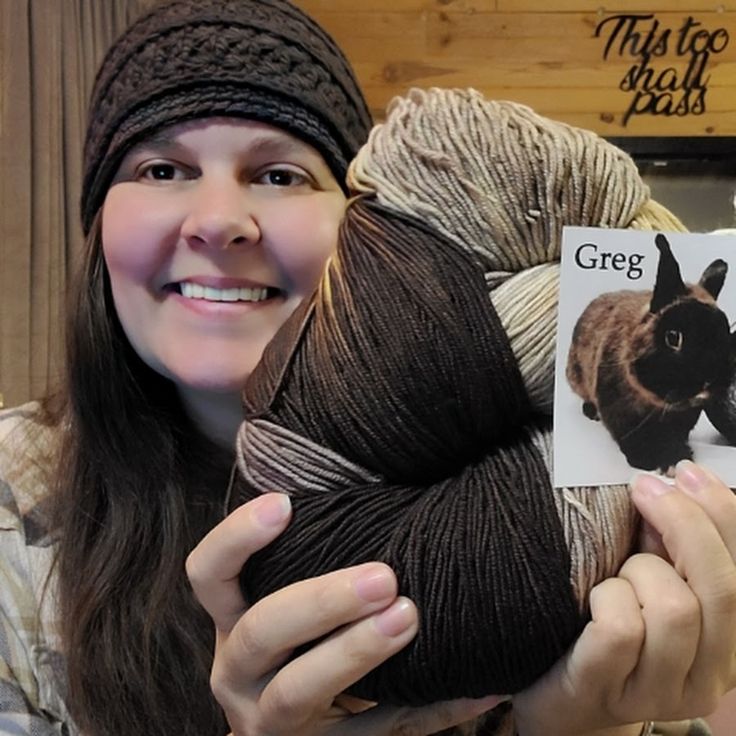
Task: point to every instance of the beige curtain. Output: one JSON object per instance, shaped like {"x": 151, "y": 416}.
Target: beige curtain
{"x": 49, "y": 53}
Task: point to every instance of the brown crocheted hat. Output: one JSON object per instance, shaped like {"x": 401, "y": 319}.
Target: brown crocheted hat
{"x": 261, "y": 59}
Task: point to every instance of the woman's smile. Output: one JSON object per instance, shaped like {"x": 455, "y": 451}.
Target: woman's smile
{"x": 222, "y": 296}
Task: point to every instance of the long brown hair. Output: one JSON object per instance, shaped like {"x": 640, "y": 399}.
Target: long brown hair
{"x": 137, "y": 487}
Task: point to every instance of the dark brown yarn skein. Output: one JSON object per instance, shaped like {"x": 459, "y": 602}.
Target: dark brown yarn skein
{"x": 392, "y": 410}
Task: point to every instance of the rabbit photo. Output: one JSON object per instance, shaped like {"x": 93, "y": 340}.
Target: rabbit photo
{"x": 646, "y": 362}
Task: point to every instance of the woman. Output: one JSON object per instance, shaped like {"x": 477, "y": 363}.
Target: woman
{"x": 218, "y": 140}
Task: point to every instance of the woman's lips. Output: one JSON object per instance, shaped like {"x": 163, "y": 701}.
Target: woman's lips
{"x": 221, "y": 295}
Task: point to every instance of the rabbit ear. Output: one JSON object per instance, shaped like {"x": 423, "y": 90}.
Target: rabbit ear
{"x": 669, "y": 284}
{"x": 713, "y": 277}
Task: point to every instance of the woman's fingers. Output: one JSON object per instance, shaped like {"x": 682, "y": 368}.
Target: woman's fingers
{"x": 713, "y": 496}
{"x": 714, "y": 582}
{"x": 610, "y": 646}
{"x": 353, "y": 615}
{"x": 294, "y": 694}
{"x": 650, "y": 540}
{"x": 672, "y": 621}
{"x": 697, "y": 521}
{"x": 214, "y": 566}
{"x": 581, "y": 692}
{"x": 708, "y": 492}
{"x": 662, "y": 640}
{"x": 272, "y": 628}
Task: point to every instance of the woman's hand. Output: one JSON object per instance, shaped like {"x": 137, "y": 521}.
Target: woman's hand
{"x": 260, "y": 689}
{"x": 661, "y": 644}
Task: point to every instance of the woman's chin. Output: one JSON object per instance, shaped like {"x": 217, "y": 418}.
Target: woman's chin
{"x": 215, "y": 385}
{"x": 205, "y": 376}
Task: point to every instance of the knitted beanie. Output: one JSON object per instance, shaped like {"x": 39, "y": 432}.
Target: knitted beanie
{"x": 259, "y": 59}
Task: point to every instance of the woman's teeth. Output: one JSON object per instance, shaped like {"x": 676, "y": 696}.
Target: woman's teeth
{"x": 210, "y": 294}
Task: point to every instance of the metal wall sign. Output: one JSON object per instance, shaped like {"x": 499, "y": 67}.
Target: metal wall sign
{"x": 670, "y": 66}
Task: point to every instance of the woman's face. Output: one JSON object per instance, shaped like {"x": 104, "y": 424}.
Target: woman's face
{"x": 213, "y": 231}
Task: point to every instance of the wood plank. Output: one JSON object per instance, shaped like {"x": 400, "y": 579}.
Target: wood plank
{"x": 607, "y": 107}
{"x": 619, "y": 6}
{"x": 555, "y": 46}
{"x": 550, "y": 7}
{"x": 320, "y": 8}
{"x": 358, "y": 48}
{"x": 434, "y": 72}
{"x": 580, "y": 100}
{"x": 535, "y": 36}
{"x": 567, "y": 6}
{"x": 540, "y": 49}
{"x": 464, "y": 6}
{"x": 554, "y": 25}
{"x": 716, "y": 123}
{"x": 378, "y": 26}
{"x": 489, "y": 35}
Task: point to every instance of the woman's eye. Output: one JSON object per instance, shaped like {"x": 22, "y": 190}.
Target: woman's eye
{"x": 161, "y": 171}
{"x": 282, "y": 178}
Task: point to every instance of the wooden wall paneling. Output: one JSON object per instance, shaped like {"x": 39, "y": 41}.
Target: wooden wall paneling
{"x": 386, "y": 42}
{"x": 533, "y": 52}
{"x": 382, "y": 28}
{"x": 546, "y": 6}
{"x": 617, "y": 6}
{"x": 319, "y": 8}
{"x": 464, "y": 6}
{"x": 544, "y": 54}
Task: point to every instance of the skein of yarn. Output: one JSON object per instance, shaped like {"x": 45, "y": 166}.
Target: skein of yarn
{"x": 405, "y": 407}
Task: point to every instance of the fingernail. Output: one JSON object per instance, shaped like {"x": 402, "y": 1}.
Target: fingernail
{"x": 273, "y": 509}
{"x": 375, "y": 584}
{"x": 396, "y": 619}
{"x": 649, "y": 484}
{"x": 690, "y": 477}
{"x": 490, "y": 702}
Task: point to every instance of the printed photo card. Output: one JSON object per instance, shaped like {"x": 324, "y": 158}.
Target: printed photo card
{"x": 645, "y": 372}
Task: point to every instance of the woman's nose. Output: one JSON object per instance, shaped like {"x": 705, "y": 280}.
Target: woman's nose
{"x": 221, "y": 215}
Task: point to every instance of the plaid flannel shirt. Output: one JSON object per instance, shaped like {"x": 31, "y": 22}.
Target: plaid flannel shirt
{"x": 32, "y": 679}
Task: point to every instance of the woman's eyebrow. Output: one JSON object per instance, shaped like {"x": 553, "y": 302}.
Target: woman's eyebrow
{"x": 277, "y": 146}
{"x": 159, "y": 139}
{"x": 261, "y": 144}
{"x": 162, "y": 137}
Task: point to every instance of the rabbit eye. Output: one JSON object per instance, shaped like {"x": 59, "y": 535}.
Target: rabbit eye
{"x": 673, "y": 339}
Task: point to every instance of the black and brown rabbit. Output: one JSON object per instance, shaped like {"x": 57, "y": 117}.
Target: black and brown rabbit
{"x": 645, "y": 362}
